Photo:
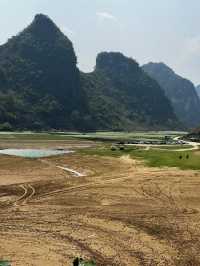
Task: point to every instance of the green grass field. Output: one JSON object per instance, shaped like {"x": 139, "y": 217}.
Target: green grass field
{"x": 156, "y": 158}
{"x": 172, "y": 147}
{"x": 152, "y": 158}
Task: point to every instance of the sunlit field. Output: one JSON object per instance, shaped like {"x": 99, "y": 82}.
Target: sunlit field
{"x": 132, "y": 205}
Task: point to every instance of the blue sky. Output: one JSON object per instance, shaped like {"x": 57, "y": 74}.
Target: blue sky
{"x": 146, "y": 30}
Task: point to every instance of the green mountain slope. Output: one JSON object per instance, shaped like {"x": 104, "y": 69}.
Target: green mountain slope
{"x": 39, "y": 79}
{"x": 181, "y": 92}
{"x": 42, "y": 88}
{"x": 121, "y": 92}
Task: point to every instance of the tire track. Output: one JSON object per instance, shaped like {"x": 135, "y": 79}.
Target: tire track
{"x": 17, "y": 202}
{"x": 85, "y": 186}
{"x": 29, "y": 192}
{"x": 32, "y": 193}
{"x": 100, "y": 258}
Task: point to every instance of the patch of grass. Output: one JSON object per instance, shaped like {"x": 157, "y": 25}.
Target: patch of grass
{"x": 107, "y": 152}
{"x": 158, "y": 158}
{"x": 152, "y": 158}
{"x": 172, "y": 147}
{"x": 5, "y": 263}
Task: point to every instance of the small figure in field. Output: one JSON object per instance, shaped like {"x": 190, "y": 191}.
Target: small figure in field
{"x": 80, "y": 261}
{"x": 180, "y": 157}
{"x": 113, "y": 148}
{"x": 187, "y": 156}
{"x": 76, "y": 262}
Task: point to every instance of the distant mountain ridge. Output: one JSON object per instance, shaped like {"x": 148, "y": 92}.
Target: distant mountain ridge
{"x": 180, "y": 91}
{"x": 137, "y": 98}
{"x": 198, "y": 90}
{"x": 41, "y": 87}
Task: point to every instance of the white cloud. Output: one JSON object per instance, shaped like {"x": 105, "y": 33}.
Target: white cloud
{"x": 106, "y": 16}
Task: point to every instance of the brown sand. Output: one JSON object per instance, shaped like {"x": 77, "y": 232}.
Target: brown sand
{"x": 49, "y": 216}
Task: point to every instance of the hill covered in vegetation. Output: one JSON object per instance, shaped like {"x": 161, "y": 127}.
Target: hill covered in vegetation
{"x": 119, "y": 91}
{"x": 41, "y": 87}
{"x": 180, "y": 91}
{"x": 39, "y": 79}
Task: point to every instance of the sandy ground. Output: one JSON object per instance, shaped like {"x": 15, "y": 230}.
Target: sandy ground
{"x": 115, "y": 213}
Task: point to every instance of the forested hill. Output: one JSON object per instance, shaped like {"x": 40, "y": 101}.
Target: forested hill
{"x": 119, "y": 88}
{"x": 40, "y": 82}
{"x": 181, "y": 92}
{"x": 42, "y": 88}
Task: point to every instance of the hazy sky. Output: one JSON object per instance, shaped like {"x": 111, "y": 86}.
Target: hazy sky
{"x": 146, "y": 30}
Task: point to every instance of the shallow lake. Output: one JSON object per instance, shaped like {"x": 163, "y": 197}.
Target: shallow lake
{"x": 33, "y": 153}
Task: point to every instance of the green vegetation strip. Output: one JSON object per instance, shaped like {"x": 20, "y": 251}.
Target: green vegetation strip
{"x": 152, "y": 158}
{"x": 172, "y": 147}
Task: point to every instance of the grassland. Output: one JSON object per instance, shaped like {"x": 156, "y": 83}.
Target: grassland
{"x": 152, "y": 157}
{"x": 171, "y": 147}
